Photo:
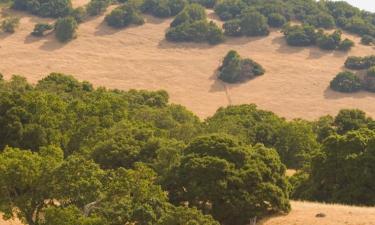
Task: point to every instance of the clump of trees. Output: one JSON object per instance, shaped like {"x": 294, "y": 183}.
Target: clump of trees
{"x": 250, "y": 23}
{"x": 163, "y": 8}
{"x": 191, "y": 25}
{"x": 45, "y": 8}
{"x": 235, "y": 69}
{"x": 123, "y": 16}
{"x": 306, "y": 35}
{"x": 98, "y": 156}
{"x": 41, "y": 28}
{"x": 66, "y": 28}
{"x": 10, "y": 24}
{"x": 346, "y": 82}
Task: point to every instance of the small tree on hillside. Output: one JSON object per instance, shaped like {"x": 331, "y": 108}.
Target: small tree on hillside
{"x": 66, "y": 29}
{"x": 10, "y": 24}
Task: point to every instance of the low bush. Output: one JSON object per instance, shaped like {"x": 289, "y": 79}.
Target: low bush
{"x": 322, "y": 20}
{"x": 346, "y": 45}
{"x": 191, "y": 13}
{"x": 41, "y": 28}
{"x": 163, "y": 8}
{"x": 229, "y": 9}
{"x": 346, "y": 82}
{"x": 360, "y": 63}
{"x": 235, "y": 69}
{"x": 97, "y": 7}
{"x": 66, "y": 29}
{"x": 370, "y": 79}
{"x": 367, "y": 40}
{"x": 10, "y": 24}
{"x": 328, "y": 41}
{"x": 45, "y": 8}
{"x": 123, "y": 16}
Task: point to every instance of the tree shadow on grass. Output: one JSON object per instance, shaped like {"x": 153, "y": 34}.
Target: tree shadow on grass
{"x": 331, "y": 94}
{"x": 165, "y": 44}
{"x": 284, "y": 48}
{"x": 103, "y": 29}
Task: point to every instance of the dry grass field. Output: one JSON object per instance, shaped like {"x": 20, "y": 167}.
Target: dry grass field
{"x": 304, "y": 213}
{"x": 295, "y": 84}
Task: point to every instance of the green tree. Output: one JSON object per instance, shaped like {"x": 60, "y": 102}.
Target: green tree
{"x": 25, "y": 182}
{"x": 66, "y": 29}
{"x": 230, "y": 181}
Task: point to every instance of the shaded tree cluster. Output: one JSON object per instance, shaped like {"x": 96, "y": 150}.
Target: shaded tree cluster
{"x": 191, "y": 25}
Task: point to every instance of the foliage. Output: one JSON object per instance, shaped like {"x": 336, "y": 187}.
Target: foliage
{"x": 163, "y": 8}
{"x": 360, "y": 63}
{"x": 191, "y": 25}
{"x": 41, "y": 28}
{"x": 346, "y": 45}
{"x": 367, "y": 40}
{"x": 97, "y": 7}
{"x": 45, "y": 8}
{"x": 214, "y": 175}
{"x": 79, "y": 14}
{"x": 234, "y": 69}
{"x": 66, "y": 29}
{"x": 299, "y": 35}
{"x": 10, "y": 24}
{"x": 249, "y": 24}
{"x": 346, "y": 82}
{"x": 123, "y": 16}
{"x": 343, "y": 172}
{"x": 276, "y": 20}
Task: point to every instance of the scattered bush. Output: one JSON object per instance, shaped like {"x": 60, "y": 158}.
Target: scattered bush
{"x": 66, "y": 29}
{"x": 10, "y": 24}
{"x": 346, "y": 82}
{"x": 97, "y": 7}
{"x": 250, "y": 24}
{"x": 360, "y": 63}
{"x": 45, "y": 8}
{"x": 123, "y": 16}
{"x": 191, "y": 25}
{"x": 163, "y": 8}
{"x": 40, "y": 28}
{"x": 323, "y": 20}
{"x": 367, "y": 40}
{"x": 369, "y": 80}
{"x": 234, "y": 69}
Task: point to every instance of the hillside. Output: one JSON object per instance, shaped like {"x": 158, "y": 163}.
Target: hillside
{"x": 295, "y": 85}
{"x": 303, "y": 213}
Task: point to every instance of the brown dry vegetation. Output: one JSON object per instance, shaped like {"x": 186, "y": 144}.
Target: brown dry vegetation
{"x": 295, "y": 85}
{"x": 303, "y": 213}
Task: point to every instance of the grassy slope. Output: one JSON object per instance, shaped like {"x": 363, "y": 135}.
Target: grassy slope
{"x": 295, "y": 85}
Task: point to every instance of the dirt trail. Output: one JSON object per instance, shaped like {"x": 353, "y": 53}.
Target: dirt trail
{"x": 295, "y": 84}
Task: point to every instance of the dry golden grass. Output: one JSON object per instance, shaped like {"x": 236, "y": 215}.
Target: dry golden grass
{"x": 295, "y": 85}
{"x": 303, "y": 213}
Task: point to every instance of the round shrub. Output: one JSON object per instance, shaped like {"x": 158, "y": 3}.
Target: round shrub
{"x": 234, "y": 69}
{"x": 40, "y": 28}
{"x": 276, "y": 20}
{"x": 360, "y": 63}
{"x": 10, "y": 24}
{"x": 299, "y": 35}
{"x": 346, "y": 45}
{"x": 232, "y": 28}
{"x": 45, "y": 8}
{"x": 346, "y": 82}
{"x": 370, "y": 79}
{"x": 66, "y": 29}
{"x": 254, "y": 24}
